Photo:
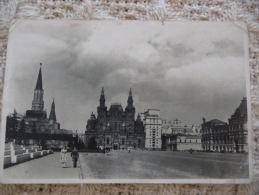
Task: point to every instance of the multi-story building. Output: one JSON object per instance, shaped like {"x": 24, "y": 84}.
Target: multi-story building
{"x": 116, "y": 128}
{"x": 232, "y": 137}
{"x": 153, "y": 130}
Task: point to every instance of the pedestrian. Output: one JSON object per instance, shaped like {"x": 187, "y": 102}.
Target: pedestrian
{"x": 63, "y": 156}
{"x": 129, "y": 150}
{"x": 75, "y": 156}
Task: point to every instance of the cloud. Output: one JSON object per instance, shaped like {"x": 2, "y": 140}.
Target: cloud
{"x": 187, "y": 77}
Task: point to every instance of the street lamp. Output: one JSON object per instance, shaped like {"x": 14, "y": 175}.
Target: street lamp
{"x": 124, "y": 129}
{"x": 104, "y": 139}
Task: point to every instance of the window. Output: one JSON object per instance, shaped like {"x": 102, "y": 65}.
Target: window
{"x": 108, "y": 140}
{"x": 123, "y": 140}
{"x": 190, "y": 141}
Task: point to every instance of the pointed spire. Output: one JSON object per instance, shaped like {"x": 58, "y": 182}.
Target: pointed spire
{"x": 53, "y": 103}
{"x": 130, "y": 92}
{"x": 130, "y": 99}
{"x": 14, "y": 111}
{"x": 39, "y": 80}
{"x": 102, "y": 93}
{"x": 52, "y": 115}
{"x": 102, "y": 98}
{"x": 37, "y": 102}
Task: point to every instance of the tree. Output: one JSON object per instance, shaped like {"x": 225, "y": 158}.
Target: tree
{"x": 21, "y": 131}
{"x": 92, "y": 144}
{"x": 12, "y": 126}
{"x": 81, "y": 144}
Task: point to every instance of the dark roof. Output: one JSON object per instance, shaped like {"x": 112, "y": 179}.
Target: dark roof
{"x": 242, "y": 108}
{"x": 215, "y": 121}
{"x": 115, "y": 107}
{"x": 39, "y": 81}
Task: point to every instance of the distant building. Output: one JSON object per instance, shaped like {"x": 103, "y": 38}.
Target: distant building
{"x": 152, "y": 124}
{"x": 188, "y": 142}
{"x": 166, "y": 127}
{"x": 179, "y": 136}
{"x": 116, "y": 128}
{"x": 176, "y": 127}
{"x": 232, "y": 137}
{"x": 179, "y": 128}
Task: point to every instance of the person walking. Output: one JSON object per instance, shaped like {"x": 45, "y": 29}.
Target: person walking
{"x": 63, "y": 156}
{"x": 75, "y": 156}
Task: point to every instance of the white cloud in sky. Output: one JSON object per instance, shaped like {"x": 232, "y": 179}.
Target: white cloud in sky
{"x": 188, "y": 70}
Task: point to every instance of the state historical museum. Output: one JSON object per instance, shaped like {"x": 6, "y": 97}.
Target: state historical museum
{"x": 116, "y": 128}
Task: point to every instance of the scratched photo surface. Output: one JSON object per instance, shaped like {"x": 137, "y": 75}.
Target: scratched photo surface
{"x": 126, "y": 101}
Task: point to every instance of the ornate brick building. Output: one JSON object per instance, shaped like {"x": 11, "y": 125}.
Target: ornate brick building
{"x": 220, "y": 136}
{"x": 116, "y": 128}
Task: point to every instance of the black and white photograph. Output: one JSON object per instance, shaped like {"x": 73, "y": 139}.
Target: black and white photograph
{"x": 126, "y": 102}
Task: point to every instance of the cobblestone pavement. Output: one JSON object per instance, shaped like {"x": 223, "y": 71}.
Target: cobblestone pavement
{"x": 165, "y": 165}
{"x": 47, "y": 167}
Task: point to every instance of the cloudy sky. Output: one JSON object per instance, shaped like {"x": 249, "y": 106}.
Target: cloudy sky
{"x": 187, "y": 70}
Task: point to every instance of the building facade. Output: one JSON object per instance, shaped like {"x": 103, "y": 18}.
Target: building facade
{"x": 152, "y": 125}
{"x": 222, "y": 137}
{"x": 116, "y": 128}
{"x": 187, "y": 142}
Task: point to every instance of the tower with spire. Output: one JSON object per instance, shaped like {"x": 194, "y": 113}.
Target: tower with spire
{"x": 37, "y": 102}
{"x": 130, "y": 114}
{"x": 38, "y": 115}
{"x": 52, "y": 115}
{"x": 102, "y": 112}
{"x": 139, "y": 126}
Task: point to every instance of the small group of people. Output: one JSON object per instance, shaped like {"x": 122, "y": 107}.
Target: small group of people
{"x": 63, "y": 156}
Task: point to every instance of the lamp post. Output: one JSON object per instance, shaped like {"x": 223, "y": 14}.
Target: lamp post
{"x": 124, "y": 129}
{"x": 108, "y": 128}
{"x": 104, "y": 139}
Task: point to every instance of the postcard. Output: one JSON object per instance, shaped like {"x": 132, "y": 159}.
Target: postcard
{"x": 126, "y": 102}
